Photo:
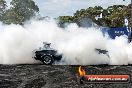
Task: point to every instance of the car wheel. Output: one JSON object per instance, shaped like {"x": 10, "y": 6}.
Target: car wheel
{"x": 47, "y": 59}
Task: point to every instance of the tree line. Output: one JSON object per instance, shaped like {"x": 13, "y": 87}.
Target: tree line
{"x": 22, "y": 10}
{"x": 18, "y": 12}
{"x": 113, "y": 16}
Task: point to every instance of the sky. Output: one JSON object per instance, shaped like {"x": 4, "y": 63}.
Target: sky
{"x": 55, "y": 8}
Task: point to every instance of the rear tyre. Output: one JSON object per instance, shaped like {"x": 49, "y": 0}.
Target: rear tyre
{"x": 47, "y": 59}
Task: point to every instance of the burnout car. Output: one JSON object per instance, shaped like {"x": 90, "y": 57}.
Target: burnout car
{"x": 46, "y": 54}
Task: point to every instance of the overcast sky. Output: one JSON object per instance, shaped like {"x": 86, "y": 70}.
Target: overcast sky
{"x": 55, "y": 8}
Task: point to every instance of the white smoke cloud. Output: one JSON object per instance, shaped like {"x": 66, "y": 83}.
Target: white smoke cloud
{"x": 75, "y": 43}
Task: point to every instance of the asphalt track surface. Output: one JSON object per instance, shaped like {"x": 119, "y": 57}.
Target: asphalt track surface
{"x": 55, "y": 76}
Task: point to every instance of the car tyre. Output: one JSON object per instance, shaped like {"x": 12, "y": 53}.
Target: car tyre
{"x": 47, "y": 59}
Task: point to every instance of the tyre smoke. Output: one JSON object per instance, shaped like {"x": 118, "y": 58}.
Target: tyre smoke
{"x": 75, "y": 43}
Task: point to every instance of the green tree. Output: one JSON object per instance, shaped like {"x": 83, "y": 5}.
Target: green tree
{"x": 113, "y": 16}
{"x": 2, "y": 8}
{"x": 20, "y": 11}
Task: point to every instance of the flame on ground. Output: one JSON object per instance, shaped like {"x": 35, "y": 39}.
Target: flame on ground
{"x": 81, "y": 71}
